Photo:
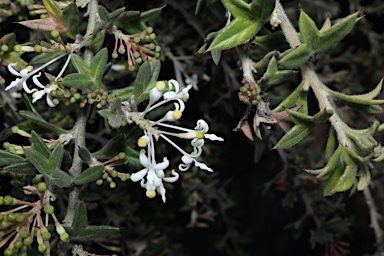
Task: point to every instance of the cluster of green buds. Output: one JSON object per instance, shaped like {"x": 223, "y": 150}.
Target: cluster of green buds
{"x": 99, "y": 97}
{"x": 139, "y": 47}
{"x": 109, "y": 172}
{"x": 13, "y": 148}
{"x": 38, "y": 9}
{"x": 25, "y": 222}
{"x": 67, "y": 96}
{"x": 12, "y": 8}
{"x": 250, "y": 93}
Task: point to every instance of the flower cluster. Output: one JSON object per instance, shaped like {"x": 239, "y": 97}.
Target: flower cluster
{"x": 153, "y": 174}
{"x": 20, "y": 227}
{"x": 26, "y": 73}
{"x": 139, "y": 47}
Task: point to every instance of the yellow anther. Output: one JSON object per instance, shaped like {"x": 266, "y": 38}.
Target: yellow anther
{"x": 160, "y": 85}
{"x": 176, "y": 114}
{"x": 54, "y": 87}
{"x": 142, "y": 142}
{"x": 29, "y": 68}
{"x": 150, "y": 193}
{"x": 199, "y": 135}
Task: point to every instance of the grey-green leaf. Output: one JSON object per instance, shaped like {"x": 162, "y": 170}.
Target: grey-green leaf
{"x": 89, "y": 175}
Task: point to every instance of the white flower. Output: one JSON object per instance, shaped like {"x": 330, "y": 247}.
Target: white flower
{"x": 192, "y": 80}
{"x": 45, "y": 90}
{"x": 28, "y": 72}
{"x": 177, "y": 94}
{"x": 154, "y": 175}
{"x": 20, "y": 82}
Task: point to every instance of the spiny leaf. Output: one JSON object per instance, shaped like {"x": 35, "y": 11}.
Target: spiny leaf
{"x": 249, "y": 18}
{"x": 363, "y": 99}
{"x": 294, "y": 135}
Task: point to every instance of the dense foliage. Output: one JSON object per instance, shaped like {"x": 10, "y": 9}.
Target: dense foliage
{"x": 120, "y": 119}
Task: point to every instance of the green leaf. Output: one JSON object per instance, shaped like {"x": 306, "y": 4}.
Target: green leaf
{"x": 296, "y": 57}
{"x": 89, "y": 76}
{"x": 320, "y": 117}
{"x": 332, "y": 180}
{"x": 315, "y": 40}
{"x": 364, "y": 177}
{"x": 39, "y": 161}
{"x": 71, "y": 20}
{"x": 89, "y": 175}
{"x": 292, "y": 99}
{"x": 99, "y": 63}
{"x": 56, "y": 157}
{"x": 273, "y": 76}
{"x": 249, "y": 18}
{"x": 331, "y": 144}
{"x": 22, "y": 168}
{"x": 154, "y": 74}
{"x": 132, "y": 157}
{"x": 85, "y": 155}
{"x": 81, "y": 231}
{"x": 134, "y": 21}
{"x": 123, "y": 94}
{"x": 78, "y": 81}
{"x": 107, "y": 19}
{"x": 332, "y": 164}
{"x": 142, "y": 79}
{"x": 39, "y": 145}
{"x": 7, "y": 158}
{"x": 41, "y": 122}
{"x": 235, "y": 33}
{"x": 114, "y": 114}
{"x": 52, "y": 8}
{"x": 363, "y": 138}
{"x": 80, "y": 64}
{"x": 295, "y": 135}
{"x": 44, "y": 57}
{"x": 362, "y": 99}
{"x": 112, "y": 148}
{"x": 60, "y": 179}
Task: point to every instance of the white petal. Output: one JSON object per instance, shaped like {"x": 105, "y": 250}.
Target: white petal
{"x": 203, "y": 166}
{"x": 25, "y": 87}
{"x": 213, "y": 137}
{"x": 160, "y": 173}
{"x": 36, "y": 81}
{"x": 154, "y": 95}
{"x": 50, "y": 102}
{"x": 202, "y": 126}
{"x": 151, "y": 177}
{"x": 172, "y": 179}
{"x": 24, "y": 72}
{"x": 144, "y": 159}
{"x": 197, "y": 142}
{"x": 161, "y": 191}
{"x": 162, "y": 165}
{"x": 139, "y": 175}
{"x": 17, "y": 84}
{"x": 175, "y": 84}
{"x": 37, "y": 95}
{"x": 12, "y": 70}
{"x": 170, "y": 95}
{"x": 182, "y": 105}
{"x": 186, "y": 159}
{"x": 184, "y": 167}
